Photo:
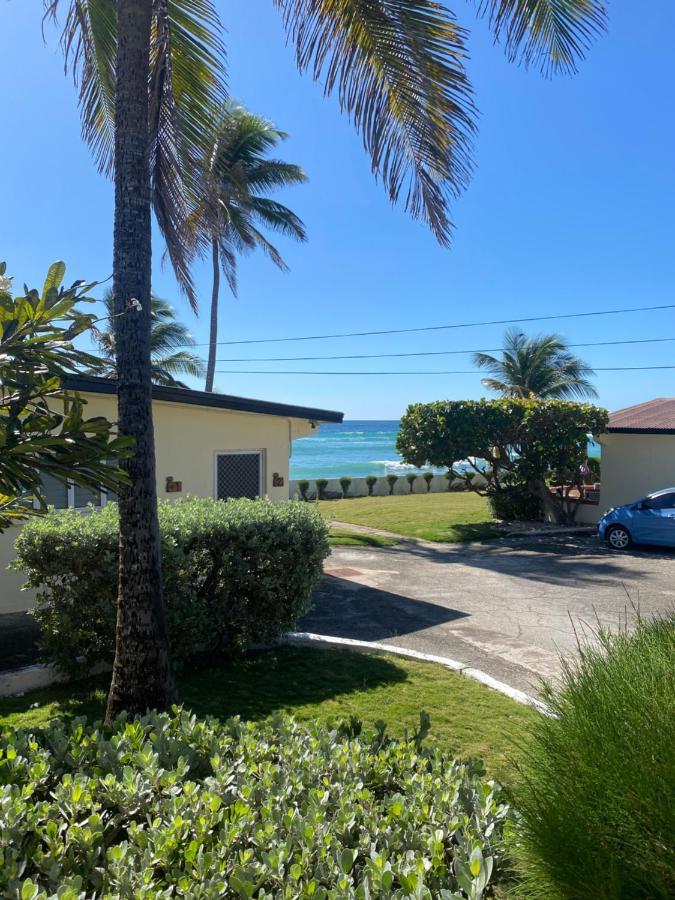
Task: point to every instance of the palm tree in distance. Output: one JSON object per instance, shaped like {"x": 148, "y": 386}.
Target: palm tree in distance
{"x": 168, "y": 337}
{"x": 150, "y": 73}
{"x": 541, "y": 366}
{"x": 232, "y": 206}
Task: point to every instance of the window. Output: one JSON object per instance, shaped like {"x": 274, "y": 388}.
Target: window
{"x": 239, "y": 474}
{"x": 72, "y": 496}
{"x": 665, "y": 501}
{"x": 84, "y": 496}
{"x": 55, "y": 492}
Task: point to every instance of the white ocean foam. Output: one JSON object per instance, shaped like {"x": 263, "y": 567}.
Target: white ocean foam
{"x": 394, "y": 465}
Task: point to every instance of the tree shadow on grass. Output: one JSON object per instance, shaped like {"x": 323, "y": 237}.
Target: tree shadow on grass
{"x": 253, "y": 687}
{"x": 282, "y": 679}
{"x": 477, "y": 531}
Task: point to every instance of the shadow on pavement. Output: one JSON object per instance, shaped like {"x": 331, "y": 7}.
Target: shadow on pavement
{"x": 344, "y": 608}
{"x": 553, "y": 559}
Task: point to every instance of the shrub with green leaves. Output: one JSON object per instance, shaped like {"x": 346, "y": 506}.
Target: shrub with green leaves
{"x": 514, "y": 506}
{"x": 235, "y": 574}
{"x": 371, "y": 481}
{"x": 411, "y": 478}
{"x": 597, "y": 793}
{"x": 428, "y": 477}
{"x": 173, "y": 806}
{"x": 345, "y": 484}
{"x": 391, "y": 481}
{"x": 321, "y": 485}
{"x": 303, "y": 487}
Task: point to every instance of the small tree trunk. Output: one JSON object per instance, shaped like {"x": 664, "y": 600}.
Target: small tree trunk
{"x": 213, "y": 332}
{"x": 551, "y": 504}
{"x": 141, "y": 672}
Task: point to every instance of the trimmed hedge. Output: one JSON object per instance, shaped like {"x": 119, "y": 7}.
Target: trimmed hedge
{"x": 173, "y": 806}
{"x": 235, "y": 574}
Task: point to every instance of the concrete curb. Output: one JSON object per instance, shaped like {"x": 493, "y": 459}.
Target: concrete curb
{"x": 30, "y": 678}
{"x": 306, "y": 638}
{"x": 15, "y": 682}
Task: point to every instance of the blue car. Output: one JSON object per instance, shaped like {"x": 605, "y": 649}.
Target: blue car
{"x": 647, "y": 521}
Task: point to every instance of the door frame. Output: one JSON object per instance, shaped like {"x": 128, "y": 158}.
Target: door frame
{"x": 260, "y": 453}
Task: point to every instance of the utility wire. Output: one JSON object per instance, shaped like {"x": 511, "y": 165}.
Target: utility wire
{"x": 428, "y": 352}
{"x": 455, "y": 372}
{"x": 350, "y": 334}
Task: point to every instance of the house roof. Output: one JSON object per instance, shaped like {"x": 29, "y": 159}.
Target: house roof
{"x": 88, "y": 384}
{"x": 653, "y": 417}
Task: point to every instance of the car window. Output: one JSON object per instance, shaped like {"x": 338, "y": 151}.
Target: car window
{"x": 665, "y": 501}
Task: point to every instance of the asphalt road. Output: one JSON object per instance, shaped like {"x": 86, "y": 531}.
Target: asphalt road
{"x": 508, "y": 606}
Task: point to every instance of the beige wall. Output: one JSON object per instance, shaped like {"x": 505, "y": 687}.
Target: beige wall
{"x": 187, "y": 439}
{"x": 634, "y": 465}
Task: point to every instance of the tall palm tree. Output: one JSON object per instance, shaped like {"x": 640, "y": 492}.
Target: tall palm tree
{"x": 167, "y": 338}
{"x": 232, "y": 204}
{"x": 541, "y": 366}
{"x": 150, "y": 71}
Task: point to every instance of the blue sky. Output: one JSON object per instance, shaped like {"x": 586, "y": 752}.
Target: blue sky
{"x": 570, "y": 209}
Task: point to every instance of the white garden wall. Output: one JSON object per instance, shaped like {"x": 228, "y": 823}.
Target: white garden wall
{"x": 359, "y": 488}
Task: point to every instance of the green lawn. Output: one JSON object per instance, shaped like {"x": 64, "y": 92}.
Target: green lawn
{"x": 452, "y": 516}
{"x": 467, "y": 719}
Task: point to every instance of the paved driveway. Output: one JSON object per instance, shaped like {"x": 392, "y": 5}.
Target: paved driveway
{"x": 504, "y": 606}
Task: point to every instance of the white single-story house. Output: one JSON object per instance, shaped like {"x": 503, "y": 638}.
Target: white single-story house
{"x": 206, "y": 445}
{"x": 638, "y": 452}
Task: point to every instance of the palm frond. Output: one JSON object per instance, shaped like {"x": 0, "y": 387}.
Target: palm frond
{"x": 167, "y": 336}
{"x": 258, "y": 240}
{"x": 278, "y": 217}
{"x": 552, "y": 35}
{"x": 181, "y": 363}
{"x": 397, "y": 67}
{"x": 541, "y": 366}
{"x": 187, "y": 86}
{"x": 89, "y": 43}
{"x": 273, "y": 173}
{"x": 187, "y": 83}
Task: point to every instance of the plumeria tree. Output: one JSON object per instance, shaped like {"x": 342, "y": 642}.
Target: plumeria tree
{"x": 43, "y": 429}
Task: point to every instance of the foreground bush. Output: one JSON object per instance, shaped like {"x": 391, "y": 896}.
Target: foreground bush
{"x": 235, "y": 574}
{"x": 169, "y": 806}
{"x": 598, "y": 796}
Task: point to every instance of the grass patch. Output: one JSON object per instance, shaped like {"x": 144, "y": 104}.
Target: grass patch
{"x": 340, "y": 537}
{"x": 448, "y": 517}
{"x": 467, "y": 719}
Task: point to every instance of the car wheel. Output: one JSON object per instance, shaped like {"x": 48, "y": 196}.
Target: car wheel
{"x": 619, "y": 538}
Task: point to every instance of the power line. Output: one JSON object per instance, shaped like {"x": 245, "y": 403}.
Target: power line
{"x": 350, "y": 334}
{"x": 429, "y": 352}
{"x": 476, "y": 372}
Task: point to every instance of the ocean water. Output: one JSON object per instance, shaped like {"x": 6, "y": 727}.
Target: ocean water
{"x": 355, "y": 449}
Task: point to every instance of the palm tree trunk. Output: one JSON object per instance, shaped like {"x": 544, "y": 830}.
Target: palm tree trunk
{"x": 213, "y": 333}
{"x": 141, "y": 672}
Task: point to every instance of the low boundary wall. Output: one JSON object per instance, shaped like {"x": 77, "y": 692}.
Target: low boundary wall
{"x": 359, "y": 488}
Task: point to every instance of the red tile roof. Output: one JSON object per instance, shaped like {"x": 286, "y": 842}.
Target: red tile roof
{"x": 651, "y": 417}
